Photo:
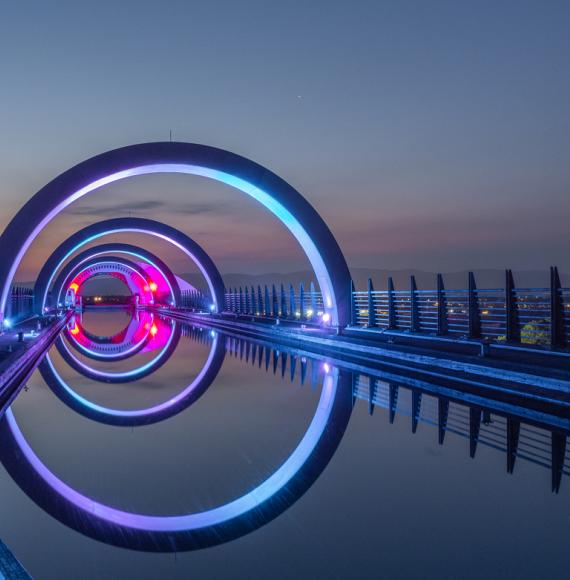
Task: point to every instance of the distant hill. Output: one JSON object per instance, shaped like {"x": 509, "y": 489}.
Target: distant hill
{"x": 489, "y": 278}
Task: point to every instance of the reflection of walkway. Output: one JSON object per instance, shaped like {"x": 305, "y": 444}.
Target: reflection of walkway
{"x": 10, "y": 568}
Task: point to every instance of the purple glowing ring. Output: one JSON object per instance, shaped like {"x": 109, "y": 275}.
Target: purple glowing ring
{"x": 134, "y": 418}
{"x": 196, "y": 530}
{"x": 133, "y": 347}
{"x": 70, "y": 269}
{"x": 280, "y": 198}
{"x": 123, "y": 376}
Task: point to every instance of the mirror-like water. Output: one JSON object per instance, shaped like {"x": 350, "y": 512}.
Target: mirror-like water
{"x": 179, "y": 420}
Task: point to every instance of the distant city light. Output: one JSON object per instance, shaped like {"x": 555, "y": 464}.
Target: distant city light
{"x": 153, "y": 286}
{"x": 7, "y": 323}
{"x": 212, "y": 307}
{"x": 326, "y": 317}
{"x": 153, "y": 330}
{"x": 326, "y": 367}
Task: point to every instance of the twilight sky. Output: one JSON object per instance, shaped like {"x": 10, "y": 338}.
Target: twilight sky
{"x": 431, "y": 135}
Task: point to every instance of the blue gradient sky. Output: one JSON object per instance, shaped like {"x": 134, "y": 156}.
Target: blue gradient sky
{"x": 433, "y": 135}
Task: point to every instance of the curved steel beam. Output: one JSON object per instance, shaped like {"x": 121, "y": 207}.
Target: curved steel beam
{"x": 111, "y": 248}
{"x": 285, "y": 202}
{"x": 133, "y": 275}
{"x": 134, "y": 225}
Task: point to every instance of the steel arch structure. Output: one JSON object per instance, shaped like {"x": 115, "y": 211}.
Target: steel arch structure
{"x": 68, "y": 270}
{"x": 133, "y": 275}
{"x": 134, "y": 225}
{"x": 285, "y": 202}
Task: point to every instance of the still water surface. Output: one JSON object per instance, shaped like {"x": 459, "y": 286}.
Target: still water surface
{"x": 389, "y": 504}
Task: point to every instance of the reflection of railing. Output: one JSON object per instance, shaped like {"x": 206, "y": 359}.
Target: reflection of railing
{"x": 519, "y": 315}
{"x": 518, "y": 439}
{"x": 503, "y": 433}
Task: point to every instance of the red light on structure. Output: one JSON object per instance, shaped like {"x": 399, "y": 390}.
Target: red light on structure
{"x": 153, "y": 286}
{"x": 75, "y": 330}
{"x": 74, "y": 286}
{"x": 146, "y": 288}
{"x": 153, "y": 330}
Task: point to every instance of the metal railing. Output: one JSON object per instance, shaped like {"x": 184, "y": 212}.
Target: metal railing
{"x": 273, "y": 302}
{"x": 21, "y": 303}
{"x": 539, "y": 316}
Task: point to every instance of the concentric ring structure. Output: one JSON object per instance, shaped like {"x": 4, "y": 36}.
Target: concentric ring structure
{"x": 131, "y": 273}
{"x": 195, "y": 530}
{"x": 118, "y": 225}
{"x": 163, "y": 354}
{"x": 123, "y": 344}
{"x": 294, "y": 211}
{"x": 144, "y": 256}
{"x": 137, "y": 417}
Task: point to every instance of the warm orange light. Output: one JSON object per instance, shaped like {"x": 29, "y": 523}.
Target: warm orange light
{"x": 153, "y": 287}
{"x": 74, "y": 286}
{"x": 153, "y": 330}
{"x": 75, "y": 330}
{"x": 146, "y": 288}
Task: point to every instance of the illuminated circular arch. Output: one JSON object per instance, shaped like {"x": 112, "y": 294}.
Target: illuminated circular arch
{"x": 133, "y": 225}
{"x": 168, "y": 279}
{"x": 286, "y": 203}
{"x": 196, "y": 530}
{"x": 133, "y": 418}
{"x": 133, "y": 275}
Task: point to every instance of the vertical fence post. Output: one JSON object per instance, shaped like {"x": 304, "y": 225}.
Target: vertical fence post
{"x": 267, "y": 310}
{"x": 371, "y": 306}
{"x": 253, "y": 302}
{"x": 313, "y": 300}
{"x": 414, "y": 310}
{"x": 353, "y": 314}
{"x": 511, "y": 318}
{"x": 283, "y": 301}
{"x": 474, "y": 313}
{"x": 292, "y": 305}
{"x": 392, "y": 316}
{"x": 441, "y": 307}
{"x": 259, "y": 300}
{"x": 274, "y": 303}
{"x": 557, "y": 338}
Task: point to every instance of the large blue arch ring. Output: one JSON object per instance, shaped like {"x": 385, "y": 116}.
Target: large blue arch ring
{"x": 274, "y": 193}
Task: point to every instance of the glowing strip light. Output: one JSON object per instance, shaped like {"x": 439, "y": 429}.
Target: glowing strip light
{"x": 204, "y": 519}
{"x": 286, "y": 217}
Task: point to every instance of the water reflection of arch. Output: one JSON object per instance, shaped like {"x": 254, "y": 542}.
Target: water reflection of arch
{"x": 66, "y": 273}
{"x": 191, "y": 531}
{"x": 168, "y": 346}
{"x": 130, "y": 340}
{"x": 129, "y": 225}
{"x": 132, "y": 418}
